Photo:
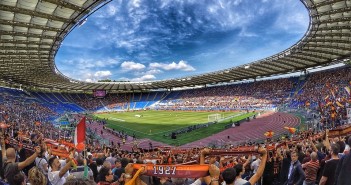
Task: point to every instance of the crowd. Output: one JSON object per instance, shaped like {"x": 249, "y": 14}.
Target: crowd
{"x": 246, "y": 96}
{"x": 110, "y": 101}
{"x": 253, "y": 95}
{"x": 305, "y": 158}
{"x": 325, "y": 91}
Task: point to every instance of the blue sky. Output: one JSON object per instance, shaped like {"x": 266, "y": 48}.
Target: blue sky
{"x": 138, "y": 40}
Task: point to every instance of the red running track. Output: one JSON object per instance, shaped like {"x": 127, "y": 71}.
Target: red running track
{"x": 250, "y": 131}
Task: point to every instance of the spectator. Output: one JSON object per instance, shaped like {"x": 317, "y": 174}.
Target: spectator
{"x": 286, "y": 162}
{"x": 268, "y": 173}
{"x": 99, "y": 163}
{"x": 120, "y": 171}
{"x": 343, "y": 169}
{"x": 36, "y": 177}
{"x": 106, "y": 177}
{"x": 41, "y": 162}
{"x": 18, "y": 179}
{"x": 240, "y": 170}
{"x": 255, "y": 165}
{"x": 230, "y": 177}
{"x": 296, "y": 174}
{"x": 92, "y": 165}
{"x": 311, "y": 169}
{"x": 11, "y": 168}
{"x": 328, "y": 177}
{"x": 57, "y": 175}
{"x": 118, "y": 165}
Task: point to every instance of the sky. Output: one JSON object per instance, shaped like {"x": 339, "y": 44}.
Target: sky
{"x": 147, "y": 40}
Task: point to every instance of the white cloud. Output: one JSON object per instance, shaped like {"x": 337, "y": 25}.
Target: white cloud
{"x": 136, "y": 3}
{"x": 291, "y": 19}
{"x": 245, "y": 33}
{"x": 102, "y": 74}
{"x": 181, "y": 65}
{"x": 83, "y": 63}
{"x": 237, "y": 2}
{"x": 149, "y": 72}
{"x": 106, "y": 63}
{"x": 153, "y": 71}
{"x": 130, "y": 65}
{"x": 144, "y": 78}
{"x": 111, "y": 10}
{"x": 88, "y": 80}
{"x": 139, "y": 79}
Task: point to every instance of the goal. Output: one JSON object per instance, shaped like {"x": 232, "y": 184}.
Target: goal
{"x": 214, "y": 117}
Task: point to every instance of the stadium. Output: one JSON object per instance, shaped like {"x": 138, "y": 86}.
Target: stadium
{"x": 281, "y": 119}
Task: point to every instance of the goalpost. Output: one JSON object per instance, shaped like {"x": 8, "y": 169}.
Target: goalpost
{"x": 214, "y": 117}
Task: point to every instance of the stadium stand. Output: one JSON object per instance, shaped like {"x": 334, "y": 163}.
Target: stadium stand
{"x": 31, "y": 33}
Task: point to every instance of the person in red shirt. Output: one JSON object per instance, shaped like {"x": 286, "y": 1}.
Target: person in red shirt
{"x": 311, "y": 169}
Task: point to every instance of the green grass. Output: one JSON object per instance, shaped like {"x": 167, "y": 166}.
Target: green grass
{"x": 156, "y": 124}
{"x": 302, "y": 126}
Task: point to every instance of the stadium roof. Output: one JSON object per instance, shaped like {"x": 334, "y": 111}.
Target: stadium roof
{"x": 31, "y": 32}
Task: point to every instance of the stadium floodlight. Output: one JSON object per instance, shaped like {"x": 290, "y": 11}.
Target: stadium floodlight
{"x": 247, "y": 67}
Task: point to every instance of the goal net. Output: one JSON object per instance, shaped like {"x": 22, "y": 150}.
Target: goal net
{"x": 214, "y": 117}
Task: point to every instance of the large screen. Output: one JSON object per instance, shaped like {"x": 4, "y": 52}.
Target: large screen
{"x": 99, "y": 93}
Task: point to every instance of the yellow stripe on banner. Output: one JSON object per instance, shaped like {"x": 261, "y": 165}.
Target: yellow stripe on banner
{"x": 133, "y": 180}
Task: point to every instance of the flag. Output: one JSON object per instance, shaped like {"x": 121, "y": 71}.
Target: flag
{"x": 347, "y": 89}
{"x": 79, "y": 136}
{"x": 326, "y": 99}
{"x": 269, "y": 133}
{"x": 291, "y": 129}
{"x": 329, "y": 104}
{"x": 339, "y": 104}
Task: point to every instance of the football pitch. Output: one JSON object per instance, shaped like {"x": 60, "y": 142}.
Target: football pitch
{"x": 158, "y": 125}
